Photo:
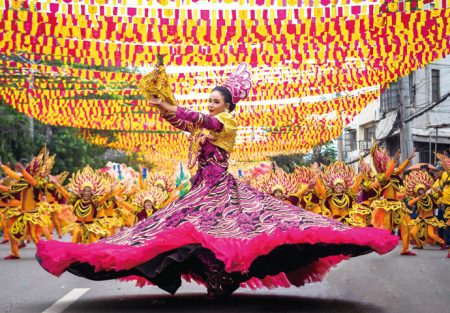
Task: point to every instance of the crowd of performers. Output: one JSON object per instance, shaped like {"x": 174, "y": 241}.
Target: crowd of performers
{"x": 96, "y": 203}
{"x": 414, "y": 203}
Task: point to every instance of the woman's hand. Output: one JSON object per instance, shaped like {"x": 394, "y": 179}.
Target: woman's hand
{"x": 163, "y": 106}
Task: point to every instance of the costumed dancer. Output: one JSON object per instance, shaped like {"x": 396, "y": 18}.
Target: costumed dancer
{"x": 222, "y": 233}
{"x": 307, "y": 194}
{"x": 144, "y": 203}
{"x": 109, "y": 219}
{"x": 390, "y": 212}
{"x": 339, "y": 192}
{"x": 26, "y": 217}
{"x": 52, "y": 203}
{"x": 419, "y": 192}
{"x": 89, "y": 194}
{"x": 443, "y": 183}
{"x": 5, "y": 202}
{"x": 166, "y": 183}
{"x": 369, "y": 192}
{"x": 278, "y": 184}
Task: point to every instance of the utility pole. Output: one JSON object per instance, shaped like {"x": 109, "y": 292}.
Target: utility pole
{"x": 406, "y": 144}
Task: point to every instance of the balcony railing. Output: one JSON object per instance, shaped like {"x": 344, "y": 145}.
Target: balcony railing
{"x": 365, "y": 145}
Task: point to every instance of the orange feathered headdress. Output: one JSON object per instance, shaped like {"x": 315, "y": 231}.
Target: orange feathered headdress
{"x": 339, "y": 173}
{"x": 417, "y": 180}
{"x": 278, "y": 180}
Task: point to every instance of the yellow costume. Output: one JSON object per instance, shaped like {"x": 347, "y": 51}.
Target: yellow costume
{"x": 417, "y": 185}
{"x": 443, "y": 183}
{"x": 89, "y": 194}
{"x": 369, "y": 192}
{"x": 25, "y": 217}
{"x": 307, "y": 189}
{"x": 338, "y": 191}
{"x": 390, "y": 212}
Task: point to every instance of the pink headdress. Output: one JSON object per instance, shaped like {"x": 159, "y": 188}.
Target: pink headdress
{"x": 239, "y": 83}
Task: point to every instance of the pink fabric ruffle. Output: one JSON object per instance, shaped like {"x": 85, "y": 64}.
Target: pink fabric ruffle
{"x": 237, "y": 254}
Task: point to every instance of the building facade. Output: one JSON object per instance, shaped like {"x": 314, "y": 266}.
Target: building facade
{"x": 413, "y": 113}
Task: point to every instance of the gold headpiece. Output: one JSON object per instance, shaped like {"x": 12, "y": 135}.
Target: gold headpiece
{"x": 88, "y": 177}
{"x": 278, "y": 187}
{"x": 156, "y": 83}
{"x": 418, "y": 187}
{"x": 165, "y": 180}
{"x": 152, "y": 194}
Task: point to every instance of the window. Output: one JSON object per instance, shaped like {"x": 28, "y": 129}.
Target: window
{"x": 435, "y": 86}
{"x": 350, "y": 140}
{"x": 390, "y": 98}
{"x": 369, "y": 132}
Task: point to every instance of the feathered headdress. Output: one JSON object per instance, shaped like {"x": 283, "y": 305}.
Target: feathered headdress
{"x": 88, "y": 177}
{"x": 303, "y": 176}
{"x": 109, "y": 182}
{"x": 365, "y": 168}
{"x": 338, "y": 173}
{"x": 445, "y": 161}
{"x": 380, "y": 158}
{"x": 417, "y": 180}
{"x": 157, "y": 83}
{"x": 166, "y": 181}
{"x": 152, "y": 194}
{"x": 278, "y": 180}
{"x": 41, "y": 165}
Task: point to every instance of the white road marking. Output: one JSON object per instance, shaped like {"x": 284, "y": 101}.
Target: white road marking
{"x": 63, "y": 303}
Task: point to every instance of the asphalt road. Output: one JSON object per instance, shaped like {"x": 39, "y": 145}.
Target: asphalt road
{"x": 371, "y": 283}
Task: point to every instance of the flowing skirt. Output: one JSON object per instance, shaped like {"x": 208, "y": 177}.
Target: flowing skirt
{"x": 217, "y": 234}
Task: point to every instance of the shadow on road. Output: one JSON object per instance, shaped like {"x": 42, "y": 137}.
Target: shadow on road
{"x": 237, "y": 303}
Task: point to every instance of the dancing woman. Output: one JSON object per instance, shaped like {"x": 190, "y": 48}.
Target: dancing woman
{"x": 223, "y": 233}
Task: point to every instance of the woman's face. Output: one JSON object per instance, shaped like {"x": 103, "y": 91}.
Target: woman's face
{"x": 278, "y": 194}
{"x": 216, "y": 103}
{"x": 87, "y": 192}
{"x": 148, "y": 205}
{"x": 339, "y": 188}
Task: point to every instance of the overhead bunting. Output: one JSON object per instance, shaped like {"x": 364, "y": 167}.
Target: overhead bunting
{"x": 315, "y": 64}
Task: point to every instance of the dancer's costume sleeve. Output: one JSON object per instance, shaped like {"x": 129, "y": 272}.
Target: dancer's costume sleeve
{"x": 8, "y": 171}
{"x": 187, "y": 120}
{"x": 402, "y": 167}
{"x": 357, "y": 184}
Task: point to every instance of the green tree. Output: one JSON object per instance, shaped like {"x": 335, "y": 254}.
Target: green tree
{"x": 22, "y": 137}
{"x": 322, "y": 154}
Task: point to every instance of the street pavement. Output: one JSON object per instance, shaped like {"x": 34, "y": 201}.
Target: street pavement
{"x": 367, "y": 284}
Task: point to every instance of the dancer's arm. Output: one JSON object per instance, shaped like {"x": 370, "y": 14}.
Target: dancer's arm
{"x": 28, "y": 177}
{"x": 405, "y": 163}
{"x": 9, "y": 172}
{"x": 357, "y": 184}
{"x": 122, "y": 203}
{"x": 320, "y": 189}
{"x": 62, "y": 191}
{"x": 187, "y": 120}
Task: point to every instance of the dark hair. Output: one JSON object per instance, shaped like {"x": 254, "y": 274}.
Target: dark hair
{"x": 226, "y": 96}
